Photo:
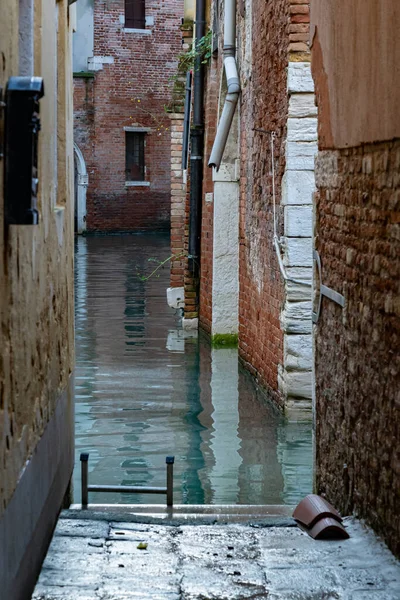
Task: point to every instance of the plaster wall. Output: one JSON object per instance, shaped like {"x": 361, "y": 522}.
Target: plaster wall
{"x": 36, "y": 299}
{"x": 358, "y": 102}
{"x": 83, "y": 37}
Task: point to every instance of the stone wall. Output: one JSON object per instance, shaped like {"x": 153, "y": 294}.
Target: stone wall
{"x": 131, "y": 89}
{"x": 357, "y": 348}
{"x": 36, "y": 312}
{"x": 295, "y": 373}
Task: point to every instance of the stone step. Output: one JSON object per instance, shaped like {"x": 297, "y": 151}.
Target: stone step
{"x": 224, "y": 513}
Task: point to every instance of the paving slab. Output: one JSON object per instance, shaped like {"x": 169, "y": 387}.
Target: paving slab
{"x": 92, "y": 558}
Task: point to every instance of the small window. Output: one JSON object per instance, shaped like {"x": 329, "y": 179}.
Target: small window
{"x": 135, "y": 17}
{"x": 134, "y": 161}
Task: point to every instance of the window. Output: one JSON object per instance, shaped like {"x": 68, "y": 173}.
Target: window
{"x": 135, "y": 17}
{"x": 134, "y": 156}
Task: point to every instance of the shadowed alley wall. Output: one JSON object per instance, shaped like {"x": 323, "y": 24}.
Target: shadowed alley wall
{"x": 36, "y": 307}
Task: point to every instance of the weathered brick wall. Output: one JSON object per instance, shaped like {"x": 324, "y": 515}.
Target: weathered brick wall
{"x": 264, "y": 105}
{"x": 357, "y": 348}
{"x": 178, "y": 202}
{"x": 207, "y": 223}
{"x": 299, "y": 28}
{"x": 84, "y": 118}
{"x": 131, "y": 89}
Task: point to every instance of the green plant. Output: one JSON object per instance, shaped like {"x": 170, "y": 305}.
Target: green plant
{"x": 160, "y": 265}
{"x": 224, "y": 340}
{"x": 186, "y": 62}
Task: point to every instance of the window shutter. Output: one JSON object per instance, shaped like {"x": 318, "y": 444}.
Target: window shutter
{"x": 135, "y": 17}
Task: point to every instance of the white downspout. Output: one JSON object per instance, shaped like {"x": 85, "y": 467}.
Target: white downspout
{"x": 233, "y": 84}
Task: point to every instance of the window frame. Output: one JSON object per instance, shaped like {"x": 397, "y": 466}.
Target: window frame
{"x": 130, "y": 158}
{"x": 135, "y": 14}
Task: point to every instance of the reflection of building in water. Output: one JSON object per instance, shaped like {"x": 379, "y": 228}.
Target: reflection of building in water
{"x": 225, "y": 443}
{"x": 260, "y": 476}
{"x": 165, "y": 392}
{"x": 294, "y": 450}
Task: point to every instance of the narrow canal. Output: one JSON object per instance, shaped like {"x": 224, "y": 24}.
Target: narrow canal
{"x": 144, "y": 390}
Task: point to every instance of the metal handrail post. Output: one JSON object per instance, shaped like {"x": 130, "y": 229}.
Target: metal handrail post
{"x": 170, "y": 479}
{"x": 84, "y": 479}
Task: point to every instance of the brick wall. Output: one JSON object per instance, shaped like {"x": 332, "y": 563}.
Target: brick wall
{"x": 131, "y": 87}
{"x": 264, "y": 105}
{"x": 299, "y": 28}
{"x": 84, "y": 111}
{"x": 207, "y": 223}
{"x": 357, "y": 348}
{"x": 178, "y": 202}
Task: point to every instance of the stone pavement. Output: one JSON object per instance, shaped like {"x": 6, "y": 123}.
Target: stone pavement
{"x": 97, "y": 558}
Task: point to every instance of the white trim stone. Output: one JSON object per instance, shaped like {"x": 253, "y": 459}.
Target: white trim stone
{"x": 298, "y": 221}
{"x": 138, "y": 129}
{"x": 302, "y": 105}
{"x": 299, "y": 78}
{"x": 176, "y": 297}
{"x": 95, "y": 63}
{"x": 225, "y": 286}
{"x": 298, "y": 186}
{"x": 82, "y": 184}
{"x": 137, "y": 183}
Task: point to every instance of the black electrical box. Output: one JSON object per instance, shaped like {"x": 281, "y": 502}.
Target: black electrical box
{"x": 21, "y": 131}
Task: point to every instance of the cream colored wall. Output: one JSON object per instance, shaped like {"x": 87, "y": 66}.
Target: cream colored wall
{"x": 356, "y": 69}
{"x": 36, "y": 263}
{"x": 189, "y": 10}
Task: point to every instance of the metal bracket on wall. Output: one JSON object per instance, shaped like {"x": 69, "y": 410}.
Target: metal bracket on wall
{"x": 324, "y": 290}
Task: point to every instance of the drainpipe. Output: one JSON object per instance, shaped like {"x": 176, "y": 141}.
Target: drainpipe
{"x": 186, "y": 121}
{"x": 196, "y": 142}
{"x": 232, "y": 79}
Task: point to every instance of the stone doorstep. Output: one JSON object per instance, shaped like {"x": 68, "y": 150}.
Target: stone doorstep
{"x": 274, "y": 515}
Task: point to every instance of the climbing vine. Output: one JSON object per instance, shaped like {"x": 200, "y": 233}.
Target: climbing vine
{"x": 186, "y": 62}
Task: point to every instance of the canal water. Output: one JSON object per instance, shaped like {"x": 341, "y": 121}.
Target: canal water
{"x": 145, "y": 390}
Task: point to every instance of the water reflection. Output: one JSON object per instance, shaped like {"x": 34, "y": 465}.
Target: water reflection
{"x": 145, "y": 389}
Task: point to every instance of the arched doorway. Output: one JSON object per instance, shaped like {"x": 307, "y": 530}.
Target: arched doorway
{"x": 81, "y": 183}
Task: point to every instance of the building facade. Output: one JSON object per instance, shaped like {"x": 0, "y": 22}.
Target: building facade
{"x": 36, "y": 277}
{"x": 256, "y": 223}
{"x": 125, "y": 58}
{"x": 357, "y": 236}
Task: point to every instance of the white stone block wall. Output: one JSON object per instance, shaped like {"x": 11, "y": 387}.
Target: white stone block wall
{"x": 295, "y": 377}
{"x": 225, "y": 288}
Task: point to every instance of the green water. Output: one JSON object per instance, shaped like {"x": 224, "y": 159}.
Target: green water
{"x": 145, "y": 390}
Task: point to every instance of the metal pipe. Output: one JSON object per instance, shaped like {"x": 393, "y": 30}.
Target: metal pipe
{"x": 196, "y": 155}
{"x": 170, "y": 480}
{"x": 233, "y": 85}
{"x": 84, "y": 479}
{"x": 186, "y": 120}
{"x": 127, "y": 489}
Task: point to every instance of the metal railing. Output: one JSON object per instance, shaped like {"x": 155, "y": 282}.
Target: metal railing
{"x": 126, "y": 489}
